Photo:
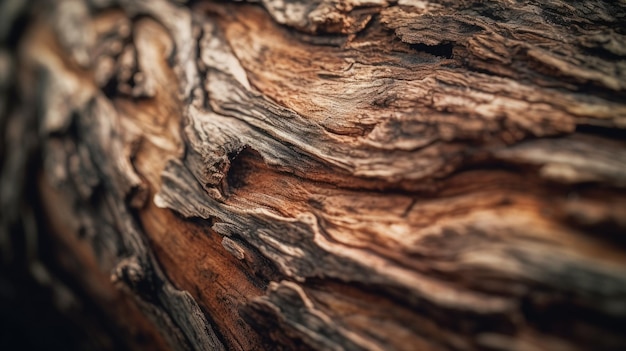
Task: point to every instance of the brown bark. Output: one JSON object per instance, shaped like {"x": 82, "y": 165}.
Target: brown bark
{"x": 363, "y": 174}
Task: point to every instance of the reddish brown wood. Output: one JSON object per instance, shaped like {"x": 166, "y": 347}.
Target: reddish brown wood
{"x": 364, "y": 174}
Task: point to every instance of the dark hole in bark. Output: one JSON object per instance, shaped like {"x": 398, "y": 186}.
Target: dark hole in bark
{"x": 440, "y": 50}
{"x": 240, "y": 167}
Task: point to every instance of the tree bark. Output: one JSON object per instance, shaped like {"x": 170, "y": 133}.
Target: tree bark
{"x": 329, "y": 175}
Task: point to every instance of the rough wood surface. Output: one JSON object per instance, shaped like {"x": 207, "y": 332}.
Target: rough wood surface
{"x": 358, "y": 175}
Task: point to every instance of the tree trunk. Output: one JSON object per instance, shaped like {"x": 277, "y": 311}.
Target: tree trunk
{"x": 329, "y": 175}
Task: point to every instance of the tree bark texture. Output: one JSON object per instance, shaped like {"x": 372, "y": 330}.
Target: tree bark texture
{"x": 329, "y": 175}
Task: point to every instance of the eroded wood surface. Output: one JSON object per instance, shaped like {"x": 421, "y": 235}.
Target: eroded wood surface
{"x": 364, "y": 174}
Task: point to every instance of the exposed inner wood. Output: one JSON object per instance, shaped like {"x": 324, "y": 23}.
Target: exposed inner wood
{"x": 363, "y": 174}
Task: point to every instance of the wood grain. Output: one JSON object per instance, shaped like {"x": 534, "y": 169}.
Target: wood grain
{"x": 343, "y": 175}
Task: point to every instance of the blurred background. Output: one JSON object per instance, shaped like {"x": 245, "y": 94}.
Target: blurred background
{"x": 41, "y": 307}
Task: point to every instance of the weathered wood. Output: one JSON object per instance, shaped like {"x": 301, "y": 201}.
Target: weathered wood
{"x": 364, "y": 174}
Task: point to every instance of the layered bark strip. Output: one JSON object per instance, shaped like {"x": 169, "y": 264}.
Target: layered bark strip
{"x": 340, "y": 175}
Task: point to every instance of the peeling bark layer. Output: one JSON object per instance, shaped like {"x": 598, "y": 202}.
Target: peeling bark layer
{"x": 364, "y": 174}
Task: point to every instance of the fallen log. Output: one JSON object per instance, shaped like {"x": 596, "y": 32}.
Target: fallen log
{"x": 331, "y": 175}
